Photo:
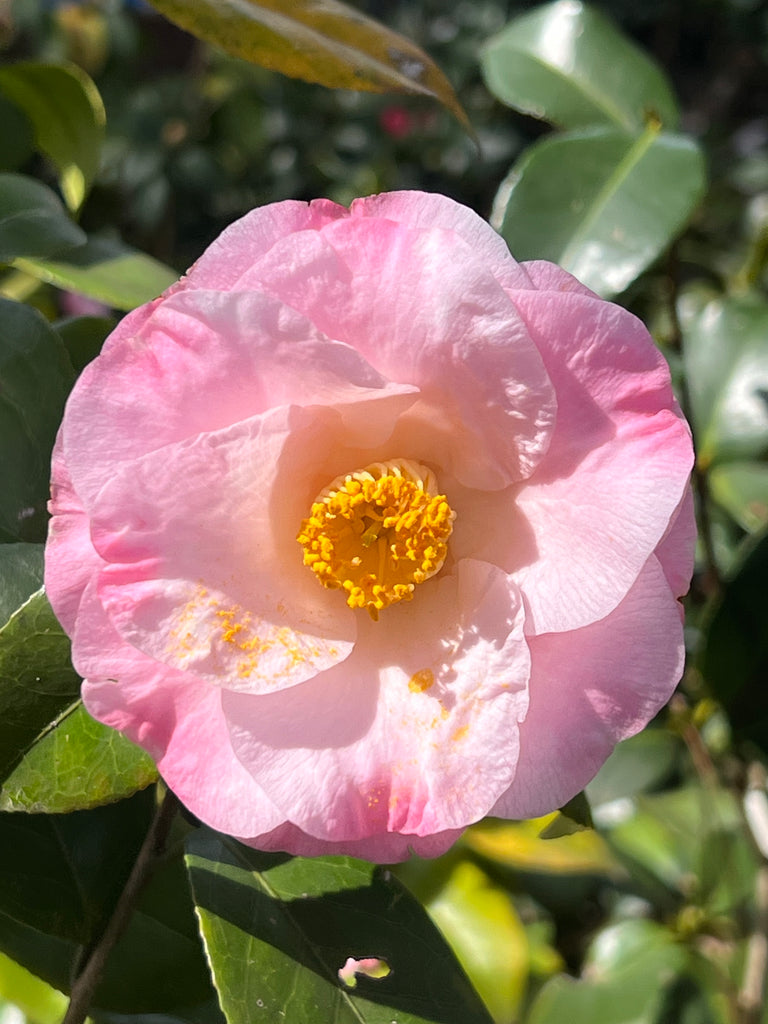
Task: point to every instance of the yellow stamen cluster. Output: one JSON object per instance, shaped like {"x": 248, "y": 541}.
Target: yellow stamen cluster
{"x": 378, "y": 532}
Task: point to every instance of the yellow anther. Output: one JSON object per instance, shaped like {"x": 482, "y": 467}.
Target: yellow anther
{"x": 377, "y": 533}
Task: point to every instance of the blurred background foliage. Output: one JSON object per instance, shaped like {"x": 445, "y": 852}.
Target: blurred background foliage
{"x": 657, "y": 915}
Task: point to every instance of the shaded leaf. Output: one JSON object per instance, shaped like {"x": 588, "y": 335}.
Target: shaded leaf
{"x": 37, "y": 681}
{"x": 277, "y": 931}
{"x": 602, "y": 203}
{"x": 636, "y": 765}
{"x": 328, "y": 43}
{"x": 566, "y": 63}
{"x": 83, "y": 337}
{"x": 107, "y": 271}
{"x": 32, "y": 220}
{"x": 158, "y": 966}
{"x": 742, "y": 489}
{"x": 66, "y": 111}
{"x": 21, "y": 574}
{"x": 76, "y": 764}
{"x": 61, "y": 874}
{"x": 726, "y": 360}
{"x": 735, "y": 656}
{"x": 16, "y": 133}
{"x": 574, "y": 817}
{"x": 35, "y": 379}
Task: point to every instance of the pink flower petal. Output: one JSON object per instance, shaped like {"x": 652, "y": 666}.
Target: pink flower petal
{"x": 591, "y": 688}
{"x": 175, "y": 717}
{"x": 616, "y": 469}
{"x": 677, "y": 548}
{"x": 452, "y": 331}
{"x": 386, "y": 847}
{"x": 397, "y": 738}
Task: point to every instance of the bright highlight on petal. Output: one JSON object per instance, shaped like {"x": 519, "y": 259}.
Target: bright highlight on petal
{"x": 377, "y": 532}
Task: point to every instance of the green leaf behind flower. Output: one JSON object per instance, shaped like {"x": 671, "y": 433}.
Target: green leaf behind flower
{"x": 277, "y": 931}
{"x": 603, "y": 203}
{"x": 32, "y": 220}
{"x": 566, "y": 63}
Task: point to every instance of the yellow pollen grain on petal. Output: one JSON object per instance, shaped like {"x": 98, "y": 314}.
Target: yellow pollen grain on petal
{"x": 421, "y": 680}
{"x": 378, "y": 533}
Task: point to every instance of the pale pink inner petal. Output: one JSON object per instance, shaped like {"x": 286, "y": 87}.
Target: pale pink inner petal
{"x": 548, "y": 277}
{"x": 616, "y": 469}
{"x": 591, "y": 688}
{"x": 677, "y": 548}
{"x": 422, "y": 309}
{"x": 201, "y": 362}
{"x": 207, "y": 576}
{"x": 398, "y": 738}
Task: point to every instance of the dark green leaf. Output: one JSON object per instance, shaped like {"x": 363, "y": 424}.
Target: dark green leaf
{"x": 37, "y": 681}
{"x": 565, "y": 62}
{"x": 726, "y": 359}
{"x": 60, "y": 874}
{"x": 735, "y": 656}
{"x": 35, "y": 378}
{"x": 602, "y": 203}
{"x": 68, "y": 116}
{"x": 83, "y": 337}
{"x": 80, "y": 862}
{"x": 329, "y": 43}
{"x": 278, "y": 930}
{"x": 32, "y": 220}
{"x": 78, "y": 763}
{"x": 574, "y": 817}
{"x": 107, "y": 271}
{"x": 16, "y": 135}
{"x": 21, "y": 574}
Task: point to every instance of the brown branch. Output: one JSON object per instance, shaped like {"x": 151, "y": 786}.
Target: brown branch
{"x": 147, "y": 860}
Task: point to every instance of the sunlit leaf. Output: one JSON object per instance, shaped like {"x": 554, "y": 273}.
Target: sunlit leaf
{"x": 277, "y": 931}
{"x": 75, "y": 764}
{"x": 35, "y": 379}
{"x": 328, "y": 43}
{"x": 39, "y": 1001}
{"x": 68, "y": 117}
{"x": 602, "y": 203}
{"x": 37, "y": 681}
{"x": 519, "y": 845}
{"x": 565, "y": 62}
{"x": 106, "y": 271}
{"x": 726, "y": 359}
{"x": 32, "y": 220}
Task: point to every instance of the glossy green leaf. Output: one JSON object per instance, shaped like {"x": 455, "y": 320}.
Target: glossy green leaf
{"x": 742, "y": 489}
{"x": 66, "y": 111}
{"x": 329, "y": 43}
{"x": 78, "y": 763}
{"x": 735, "y": 657}
{"x": 575, "y": 816}
{"x": 107, "y": 271}
{"x": 37, "y": 681}
{"x": 83, "y": 337}
{"x": 566, "y": 63}
{"x": 602, "y": 203}
{"x": 726, "y": 360}
{"x": 278, "y": 930}
{"x": 21, "y": 574}
{"x": 32, "y": 220}
{"x": 35, "y": 379}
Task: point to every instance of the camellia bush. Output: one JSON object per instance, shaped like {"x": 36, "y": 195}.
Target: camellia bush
{"x": 383, "y": 513}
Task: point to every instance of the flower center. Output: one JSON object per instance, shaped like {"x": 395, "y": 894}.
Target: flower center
{"x": 378, "y": 532}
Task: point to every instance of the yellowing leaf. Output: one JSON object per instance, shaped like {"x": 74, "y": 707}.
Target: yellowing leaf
{"x": 518, "y": 844}
{"x": 322, "y": 41}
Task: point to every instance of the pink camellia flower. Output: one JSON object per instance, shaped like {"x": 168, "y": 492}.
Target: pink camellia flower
{"x": 365, "y": 531}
